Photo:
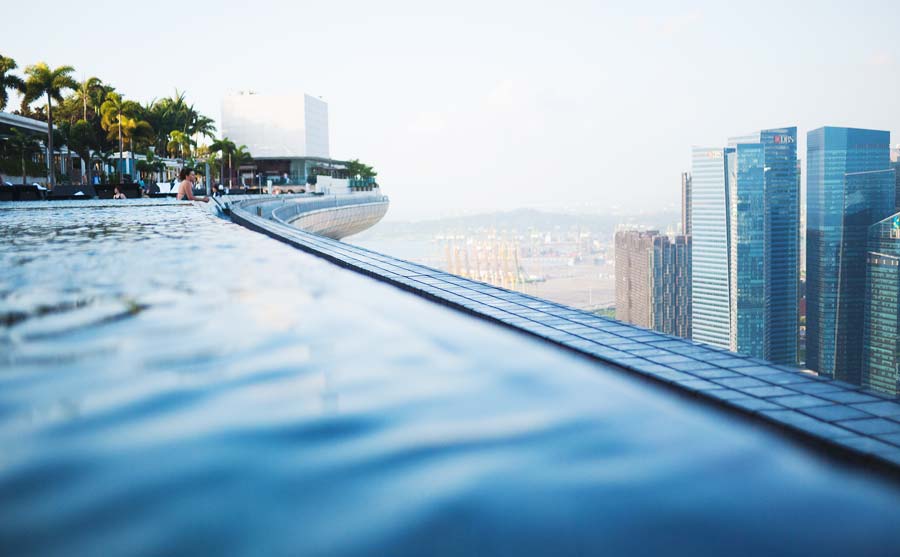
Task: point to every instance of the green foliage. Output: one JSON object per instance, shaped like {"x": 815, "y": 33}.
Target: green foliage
{"x": 8, "y": 80}
{"x": 50, "y": 83}
{"x": 82, "y": 140}
{"x": 359, "y": 170}
{"x": 114, "y": 122}
{"x": 20, "y": 149}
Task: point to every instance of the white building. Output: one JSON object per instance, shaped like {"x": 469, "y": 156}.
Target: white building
{"x": 277, "y": 126}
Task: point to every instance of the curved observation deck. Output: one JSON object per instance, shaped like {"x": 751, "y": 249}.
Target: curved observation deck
{"x": 331, "y": 216}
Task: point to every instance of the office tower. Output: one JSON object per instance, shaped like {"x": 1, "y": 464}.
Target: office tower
{"x": 896, "y": 167}
{"x": 686, "y": 203}
{"x": 765, "y": 246}
{"x": 850, "y": 186}
{"x": 633, "y": 259}
{"x": 710, "y": 239}
{"x": 670, "y": 308}
{"x": 881, "y": 334}
{"x": 746, "y": 245}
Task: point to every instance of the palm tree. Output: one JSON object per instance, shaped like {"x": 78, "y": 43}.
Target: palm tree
{"x": 227, "y": 148}
{"x": 240, "y": 156}
{"x": 24, "y": 145}
{"x": 8, "y": 81}
{"x": 177, "y": 143}
{"x": 44, "y": 81}
{"x": 129, "y": 129}
{"x": 87, "y": 92}
{"x": 114, "y": 109}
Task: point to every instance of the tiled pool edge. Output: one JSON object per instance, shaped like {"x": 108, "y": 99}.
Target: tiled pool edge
{"x": 843, "y": 419}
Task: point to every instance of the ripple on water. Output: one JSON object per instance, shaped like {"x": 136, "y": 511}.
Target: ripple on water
{"x": 173, "y": 384}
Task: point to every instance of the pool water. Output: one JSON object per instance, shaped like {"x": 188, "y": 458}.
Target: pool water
{"x": 173, "y": 384}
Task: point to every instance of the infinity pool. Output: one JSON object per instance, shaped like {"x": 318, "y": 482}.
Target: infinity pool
{"x": 172, "y": 384}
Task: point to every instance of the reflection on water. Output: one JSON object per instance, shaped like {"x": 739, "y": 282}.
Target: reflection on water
{"x": 173, "y": 384}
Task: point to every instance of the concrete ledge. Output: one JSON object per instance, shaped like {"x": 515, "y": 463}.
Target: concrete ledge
{"x": 839, "y": 419}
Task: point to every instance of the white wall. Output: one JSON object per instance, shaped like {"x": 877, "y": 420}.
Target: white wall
{"x": 276, "y": 126}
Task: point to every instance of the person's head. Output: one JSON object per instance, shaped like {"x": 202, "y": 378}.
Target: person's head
{"x": 187, "y": 174}
{"x": 116, "y": 190}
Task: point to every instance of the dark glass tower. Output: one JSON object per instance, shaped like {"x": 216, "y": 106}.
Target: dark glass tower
{"x": 765, "y": 244}
{"x": 850, "y": 186}
{"x": 881, "y": 335}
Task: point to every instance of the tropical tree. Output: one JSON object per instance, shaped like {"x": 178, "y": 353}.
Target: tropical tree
{"x": 359, "y": 170}
{"x": 24, "y": 145}
{"x": 83, "y": 140}
{"x": 240, "y": 156}
{"x": 179, "y": 142}
{"x": 150, "y": 164}
{"x": 227, "y": 148}
{"x": 113, "y": 110}
{"x": 8, "y": 80}
{"x": 87, "y": 94}
{"x": 129, "y": 129}
{"x": 50, "y": 82}
{"x": 201, "y": 125}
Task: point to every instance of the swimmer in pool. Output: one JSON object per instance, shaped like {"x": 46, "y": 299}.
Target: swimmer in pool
{"x": 186, "y": 187}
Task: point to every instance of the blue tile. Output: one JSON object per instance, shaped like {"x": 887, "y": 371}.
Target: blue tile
{"x": 814, "y": 387}
{"x": 726, "y": 394}
{"x": 795, "y": 419}
{"x": 835, "y": 412}
{"x": 848, "y": 397}
{"x": 768, "y": 391}
{"x": 754, "y": 404}
{"x": 714, "y": 373}
{"x": 759, "y": 371}
{"x": 695, "y": 384}
{"x": 872, "y": 426}
{"x": 892, "y": 438}
{"x": 689, "y": 366}
{"x": 741, "y": 382}
{"x": 799, "y": 401}
{"x": 883, "y": 409}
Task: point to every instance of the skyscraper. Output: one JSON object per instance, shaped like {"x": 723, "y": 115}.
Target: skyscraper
{"x": 686, "y": 203}
{"x": 653, "y": 281}
{"x": 850, "y": 186}
{"x": 670, "y": 284}
{"x": 633, "y": 260}
{"x": 710, "y": 225}
{"x": 746, "y": 245}
{"x": 881, "y": 334}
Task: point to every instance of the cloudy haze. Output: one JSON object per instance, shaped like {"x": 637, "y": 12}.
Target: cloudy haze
{"x": 479, "y": 105}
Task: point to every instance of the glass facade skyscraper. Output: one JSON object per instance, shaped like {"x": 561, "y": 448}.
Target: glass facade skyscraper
{"x": 710, "y": 225}
{"x": 881, "y": 334}
{"x": 782, "y": 245}
{"x": 850, "y": 186}
{"x": 746, "y": 224}
{"x": 686, "y": 203}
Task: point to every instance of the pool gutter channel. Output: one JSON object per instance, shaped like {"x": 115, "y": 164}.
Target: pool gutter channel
{"x": 829, "y": 438}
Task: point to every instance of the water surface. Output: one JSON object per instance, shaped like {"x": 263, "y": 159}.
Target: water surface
{"x": 171, "y": 383}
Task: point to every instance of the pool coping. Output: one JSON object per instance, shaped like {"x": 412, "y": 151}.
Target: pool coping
{"x": 838, "y": 418}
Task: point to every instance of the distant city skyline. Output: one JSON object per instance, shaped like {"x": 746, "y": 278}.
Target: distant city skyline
{"x": 477, "y": 107}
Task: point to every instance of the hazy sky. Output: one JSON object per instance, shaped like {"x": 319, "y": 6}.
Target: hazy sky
{"x": 469, "y": 106}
